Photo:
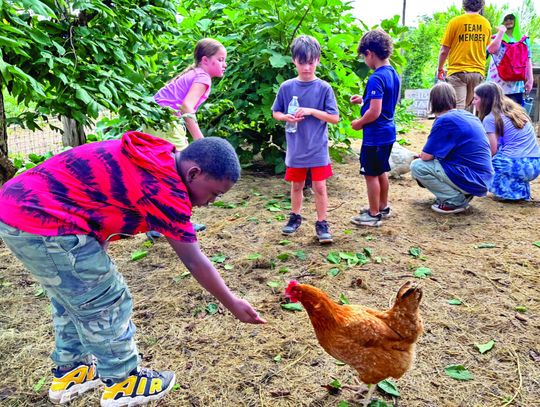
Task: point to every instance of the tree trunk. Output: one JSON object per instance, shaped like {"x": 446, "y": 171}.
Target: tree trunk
{"x": 7, "y": 170}
{"x": 73, "y": 133}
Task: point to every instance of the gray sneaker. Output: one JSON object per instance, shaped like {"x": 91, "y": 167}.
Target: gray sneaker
{"x": 386, "y": 212}
{"x": 365, "y": 219}
{"x": 292, "y": 225}
{"x": 322, "y": 229}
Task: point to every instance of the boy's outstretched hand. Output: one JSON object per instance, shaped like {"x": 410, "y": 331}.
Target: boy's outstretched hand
{"x": 244, "y": 312}
{"x": 357, "y": 99}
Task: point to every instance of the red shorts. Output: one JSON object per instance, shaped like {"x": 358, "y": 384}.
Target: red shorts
{"x": 317, "y": 173}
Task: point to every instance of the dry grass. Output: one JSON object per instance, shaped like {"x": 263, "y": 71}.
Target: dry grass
{"x": 220, "y": 362}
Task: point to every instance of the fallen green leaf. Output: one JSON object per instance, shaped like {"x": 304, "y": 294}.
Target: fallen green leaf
{"x": 455, "y": 301}
{"x": 176, "y": 387}
{"x": 300, "y": 254}
{"x": 458, "y": 372}
{"x": 537, "y": 244}
{"x": 521, "y": 308}
{"x": 212, "y": 308}
{"x": 484, "y": 347}
{"x": 336, "y": 384}
{"x": 368, "y": 252}
{"x": 284, "y": 242}
{"x": 254, "y": 256}
{"x": 485, "y": 246}
{"x": 218, "y": 258}
{"x": 139, "y": 254}
{"x": 415, "y": 252}
{"x": 283, "y": 270}
{"x": 378, "y": 259}
{"x": 333, "y": 257}
{"x": 343, "y": 299}
{"x": 334, "y": 271}
{"x": 277, "y": 358}
{"x": 39, "y": 292}
{"x": 292, "y": 306}
{"x": 422, "y": 272}
{"x": 347, "y": 232}
{"x": 343, "y": 403}
{"x": 273, "y": 284}
{"x": 228, "y": 266}
{"x": 389, "y": 387}
{"x": 39, "y": 384}
{"x": 378, "y": 403}
{"x": 283, "y": 256}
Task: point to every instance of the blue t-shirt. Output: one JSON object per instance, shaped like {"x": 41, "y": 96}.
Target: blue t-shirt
{"x": 382, "y": 84}
{"x": 514, "y": 142}
{"x": 458, "y": 140}
{"x": 308, "y": 147}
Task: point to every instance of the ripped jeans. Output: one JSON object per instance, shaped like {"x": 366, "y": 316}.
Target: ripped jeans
{"x": 91, "y": 304}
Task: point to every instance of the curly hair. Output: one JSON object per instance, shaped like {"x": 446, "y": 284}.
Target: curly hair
{"x": 377, "y": 41}
{"x": 215, "y": 156}
{"x": 473, "y": 5}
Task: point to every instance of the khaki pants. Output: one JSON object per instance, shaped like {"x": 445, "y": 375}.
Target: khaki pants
{"x": 464, "y": 84}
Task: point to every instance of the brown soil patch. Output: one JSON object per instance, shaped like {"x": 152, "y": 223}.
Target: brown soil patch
{"x": 221, "y": 362}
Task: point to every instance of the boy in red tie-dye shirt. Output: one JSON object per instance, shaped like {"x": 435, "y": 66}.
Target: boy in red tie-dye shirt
{"x": 58, "y": 219}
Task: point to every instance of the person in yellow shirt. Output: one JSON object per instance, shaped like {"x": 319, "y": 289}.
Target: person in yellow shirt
{"x": 464, "y": 45}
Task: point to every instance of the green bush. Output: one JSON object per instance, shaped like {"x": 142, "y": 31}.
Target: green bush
{"x": 257, "y": 35}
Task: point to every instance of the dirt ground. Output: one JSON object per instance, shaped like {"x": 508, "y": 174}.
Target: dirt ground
{"x": 221, "y": 362}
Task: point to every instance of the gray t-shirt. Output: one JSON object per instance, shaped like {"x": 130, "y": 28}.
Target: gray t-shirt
{"x": 514, "y": 142}
{"x": 308, "y": 147}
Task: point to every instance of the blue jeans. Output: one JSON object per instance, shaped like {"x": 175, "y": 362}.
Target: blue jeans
{"x": 432, "y": 176}
{"x": 91, "y": 303}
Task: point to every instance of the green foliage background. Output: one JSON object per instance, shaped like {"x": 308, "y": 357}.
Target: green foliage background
{"x": 257, "y": 35}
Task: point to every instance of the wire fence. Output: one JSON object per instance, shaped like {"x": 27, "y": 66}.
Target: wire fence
{"x": 22, "y": 142}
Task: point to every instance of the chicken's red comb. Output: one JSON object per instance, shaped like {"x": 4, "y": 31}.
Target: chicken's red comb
{"x": 292, "y": 283}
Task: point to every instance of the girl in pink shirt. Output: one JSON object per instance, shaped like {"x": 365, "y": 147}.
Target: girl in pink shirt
{"x": 187, "y": 91}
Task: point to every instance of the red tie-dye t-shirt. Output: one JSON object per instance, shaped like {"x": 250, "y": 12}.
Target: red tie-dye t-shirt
{"x": 105, "y": 189}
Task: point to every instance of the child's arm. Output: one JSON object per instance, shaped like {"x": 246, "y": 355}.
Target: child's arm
{"x": 204, "y": 272}
{"x": 319, "y": 114}
{"x": 493, "y": 143}
{"x": 374, "y": 111}
{"x": 286, "y": 117}
{"x": 495, "y": 45}
{"x": 193, "y": 96}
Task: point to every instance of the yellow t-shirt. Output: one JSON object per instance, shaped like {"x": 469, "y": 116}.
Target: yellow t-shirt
{"x": 467, "y": 36}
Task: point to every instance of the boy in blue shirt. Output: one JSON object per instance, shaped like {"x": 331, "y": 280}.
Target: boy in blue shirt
{"x": 377, "y": 121}
{"x": 307, "y": 147}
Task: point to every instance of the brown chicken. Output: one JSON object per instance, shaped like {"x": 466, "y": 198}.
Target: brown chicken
{"x": 377, "y": 344}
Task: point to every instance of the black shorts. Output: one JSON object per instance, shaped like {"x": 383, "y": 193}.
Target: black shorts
{"x": 374, "y": 159}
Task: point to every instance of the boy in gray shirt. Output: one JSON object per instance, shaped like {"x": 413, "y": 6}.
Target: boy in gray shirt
{"x": 307, "y": 147}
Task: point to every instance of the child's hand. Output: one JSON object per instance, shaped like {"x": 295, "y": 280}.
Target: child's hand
{"x": 244, "y": 312}
{"x": 356, "y": 124}
{"x": 501, "y": 28}
{"x": 292, "y": 118}
{"x": 357, "y": 99}
{"x": 303, "y": 111}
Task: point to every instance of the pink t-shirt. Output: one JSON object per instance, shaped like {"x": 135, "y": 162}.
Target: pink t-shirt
{"x": 174, "y": 93}
{"x": 103, "y": 189}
